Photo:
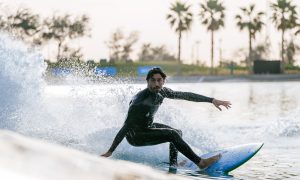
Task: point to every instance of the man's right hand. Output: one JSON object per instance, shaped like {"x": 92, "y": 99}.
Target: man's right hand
{"x": 107, "y": 154}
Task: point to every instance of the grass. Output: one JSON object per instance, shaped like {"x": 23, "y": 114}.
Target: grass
{"x": 129, "y": 69}
{"x": 171, "y": 68}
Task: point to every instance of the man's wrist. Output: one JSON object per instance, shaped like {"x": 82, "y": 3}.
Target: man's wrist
{"x": 110, "y": 151}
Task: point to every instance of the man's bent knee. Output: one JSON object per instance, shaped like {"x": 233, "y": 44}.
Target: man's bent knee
{"x": 176, "y": 133}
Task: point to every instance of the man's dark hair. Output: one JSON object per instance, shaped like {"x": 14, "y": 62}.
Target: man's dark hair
{"x": 155, "y": 70}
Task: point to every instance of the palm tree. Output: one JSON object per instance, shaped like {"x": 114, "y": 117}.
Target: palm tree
{"x": 180, "y": 19}
{"x": 212, "y": 15}
{"x": 285, "y": 17}
{"x": 298, "y": 31}
{"x": 252, "y": 22}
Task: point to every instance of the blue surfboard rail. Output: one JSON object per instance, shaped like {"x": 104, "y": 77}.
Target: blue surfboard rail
{"x": 231, "y": 158}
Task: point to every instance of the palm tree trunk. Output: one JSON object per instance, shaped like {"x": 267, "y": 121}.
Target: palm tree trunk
{"x": 179, "y": 54}
{"x": 249, "y": 61}
{"x": 212, "y": 53}
{"x": 58, "y": 50}
{"x": 282, "y": 51}
{"x": 179, "y": 47}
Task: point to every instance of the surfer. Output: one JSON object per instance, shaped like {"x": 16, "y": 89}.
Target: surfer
{"x": 140, "y": 130}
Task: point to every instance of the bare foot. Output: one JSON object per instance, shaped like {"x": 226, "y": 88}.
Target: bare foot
{"x": 204, "y": 163}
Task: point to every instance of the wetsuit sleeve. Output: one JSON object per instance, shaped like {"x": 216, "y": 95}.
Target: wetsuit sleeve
{"x": 119, "y": 137}
{"x": 169, "y": 93}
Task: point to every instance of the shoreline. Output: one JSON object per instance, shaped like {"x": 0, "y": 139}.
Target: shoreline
{"x": 175, "y": 79}
{"x": 237, "y": 78}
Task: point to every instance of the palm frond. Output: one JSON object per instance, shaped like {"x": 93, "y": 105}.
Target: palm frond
{"x": 212, "y": 14}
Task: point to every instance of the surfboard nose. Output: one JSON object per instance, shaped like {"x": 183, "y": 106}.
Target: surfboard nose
{"x": 231, "y": 158}
{"x": 254, "y": 146}
{"x": 234, "y": 157}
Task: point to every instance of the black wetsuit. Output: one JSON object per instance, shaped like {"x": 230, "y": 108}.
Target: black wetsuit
{"x": 140, "y": 130}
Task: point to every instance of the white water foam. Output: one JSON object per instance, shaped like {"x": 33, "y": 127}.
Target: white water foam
{"x": 286, "y": 126}
{"x": 81, "y": 116}
{"x": 20, "y": 80}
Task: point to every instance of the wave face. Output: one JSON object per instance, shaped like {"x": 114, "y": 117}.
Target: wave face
{"x": 85, "y": 117}
{"x": 21, "y": 81}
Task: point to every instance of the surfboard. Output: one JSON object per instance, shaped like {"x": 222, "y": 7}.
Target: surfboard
{"x": 231, "y": 158}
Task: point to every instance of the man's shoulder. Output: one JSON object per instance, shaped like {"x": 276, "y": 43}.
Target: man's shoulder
{"x": 139, "y": 96}
{"x": 165, "y": 91}
{"x": 141, "y": 92}
{"x": 166, "y": 88}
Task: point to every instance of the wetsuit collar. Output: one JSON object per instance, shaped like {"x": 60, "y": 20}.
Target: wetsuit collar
{"x": 151, "y": 92}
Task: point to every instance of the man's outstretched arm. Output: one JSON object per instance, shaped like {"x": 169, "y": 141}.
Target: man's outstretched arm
{"x": 189, "y": 96}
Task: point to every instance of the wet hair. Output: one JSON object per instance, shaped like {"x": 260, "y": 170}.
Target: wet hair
{"x": 155, "y": 70}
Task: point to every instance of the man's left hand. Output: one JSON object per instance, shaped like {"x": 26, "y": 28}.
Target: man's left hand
{"x": 219, "y": 103}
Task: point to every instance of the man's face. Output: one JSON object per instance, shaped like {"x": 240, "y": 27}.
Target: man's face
{"x": 155, "y": 83}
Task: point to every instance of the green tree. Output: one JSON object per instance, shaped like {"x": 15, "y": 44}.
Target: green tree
{"x": 71, "y": 53}
{"x": 180, "y": 19}
{"x": 121, "y": 46}
{"x": 24, "y": 24}
{"x": 155, "y": 53}
{"x": 63, "y": 28}
{"x": 145, "y": 54}
{"x": 161, "y": 53}
{"x": 212, "y": 15}
{"x": 115, "y": 46}
{"x": 298, "y": 31}
{"x": 284, "y": 16}
{"x": 291, "y": 50}
{"x": 262, "y": 50}
{"x": 127, "y": 49}
{"x": 252, "y": 22}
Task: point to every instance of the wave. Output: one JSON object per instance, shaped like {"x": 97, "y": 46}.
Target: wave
{"x": 20, "y": 80}
{"x": 85, "y": 117}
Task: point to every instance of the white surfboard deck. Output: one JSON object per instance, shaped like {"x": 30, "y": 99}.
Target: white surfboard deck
{"x": 231, "y": 158}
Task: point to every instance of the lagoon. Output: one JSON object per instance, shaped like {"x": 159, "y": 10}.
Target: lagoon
{"x": 87, "y": 117}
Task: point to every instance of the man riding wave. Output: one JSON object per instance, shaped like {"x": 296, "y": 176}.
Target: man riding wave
{"x": 140, "y": 130}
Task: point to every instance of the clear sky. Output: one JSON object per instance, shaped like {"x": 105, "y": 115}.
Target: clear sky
{"x": 148, "y": 17}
